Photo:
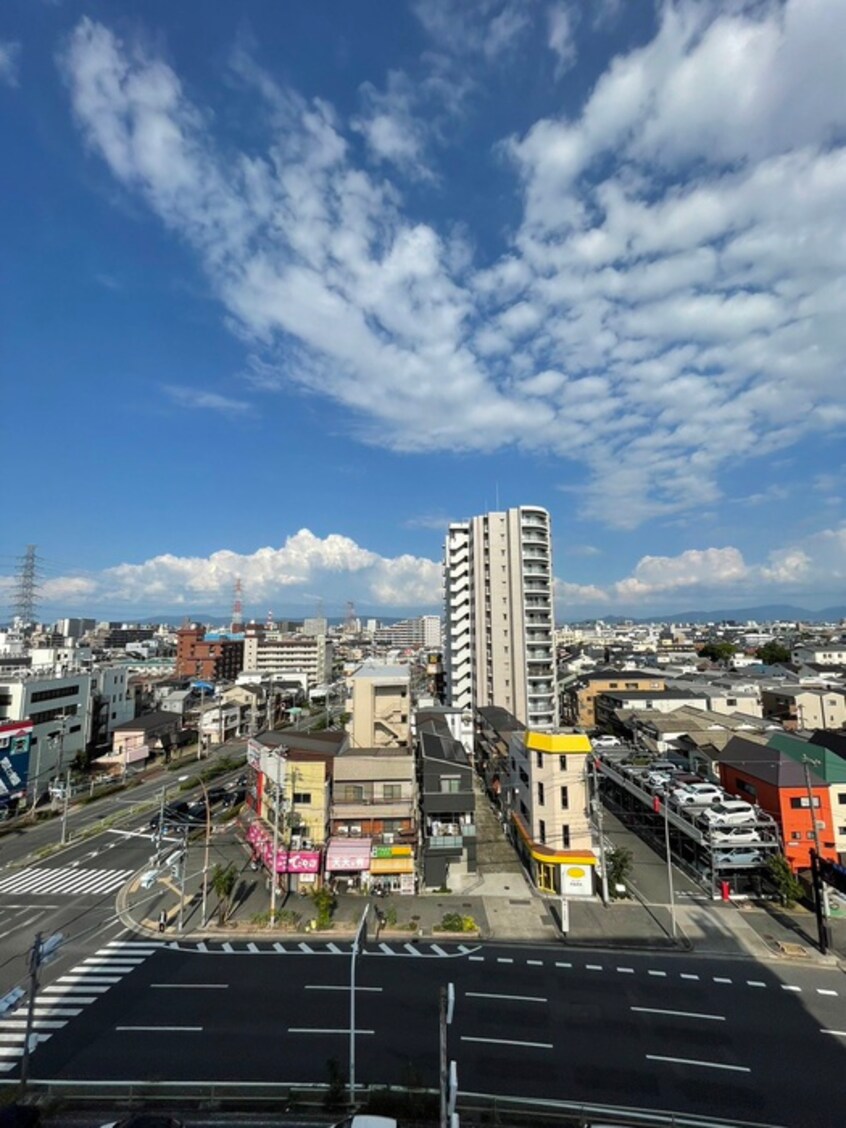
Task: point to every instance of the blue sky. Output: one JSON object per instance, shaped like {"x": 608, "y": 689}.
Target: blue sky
{"x": 289, "y": 286}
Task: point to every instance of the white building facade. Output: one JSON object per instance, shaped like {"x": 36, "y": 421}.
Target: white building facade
{"x": 498, "y": 647}
{"x": 58, "y": 708}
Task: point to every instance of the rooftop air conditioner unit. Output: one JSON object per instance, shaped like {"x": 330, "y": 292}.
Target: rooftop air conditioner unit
{"x": 343, "y": 831}
{"x": 355, "y": 831}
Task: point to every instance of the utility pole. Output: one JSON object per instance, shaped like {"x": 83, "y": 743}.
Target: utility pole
{"x": 820, "y": 891}
{"x": 205, "y": 857}
{"x": 277, "y": 801}
{"x": 358, "y": 943}
{"x": 183, "y": 867}
{"x": 658, "y": 803}
{"x": 65, "y": 806}
{"x": 445, "y": 1014}
{"x": 598, "y": 815}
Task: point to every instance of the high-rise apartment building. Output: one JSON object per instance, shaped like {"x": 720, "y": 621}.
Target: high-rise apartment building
{"x": 498, "y": 647}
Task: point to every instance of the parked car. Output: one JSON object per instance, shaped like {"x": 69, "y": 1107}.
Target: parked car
{"x": 657, "y": 782}
{"x": 216, "y": 794}
{"x": 697, "y": 794}
{"x": 735, "y": 835}
{"x": 605, "y": 742}
{"x": 729, "y": 812}
{"x": 738, "y": 856}
{"x": 234, "y": 798}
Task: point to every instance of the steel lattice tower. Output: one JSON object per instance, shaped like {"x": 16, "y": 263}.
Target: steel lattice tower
{"x": 25, "y": 591}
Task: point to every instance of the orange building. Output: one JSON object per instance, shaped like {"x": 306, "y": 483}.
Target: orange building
{"x": 776, "y": 782}
{"x": 217, "y": 656}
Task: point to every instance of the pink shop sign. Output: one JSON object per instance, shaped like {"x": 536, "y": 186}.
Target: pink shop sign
{"x": 300, "y": 861}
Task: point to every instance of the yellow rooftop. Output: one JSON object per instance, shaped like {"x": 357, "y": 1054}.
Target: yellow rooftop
{"x": 557, "y": 743}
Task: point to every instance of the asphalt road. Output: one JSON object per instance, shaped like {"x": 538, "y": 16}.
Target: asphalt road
{"x": 716, "y": 1038}
{"x": 73, "y": 891}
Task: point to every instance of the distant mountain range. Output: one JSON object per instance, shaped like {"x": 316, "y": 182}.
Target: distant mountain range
{"x": 766, "y": 613}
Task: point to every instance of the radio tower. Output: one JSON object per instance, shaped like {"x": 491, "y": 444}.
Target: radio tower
{"x": 350, "y": 623}
{"x": 237, "y": 608}
{"x": 24, "y": 593}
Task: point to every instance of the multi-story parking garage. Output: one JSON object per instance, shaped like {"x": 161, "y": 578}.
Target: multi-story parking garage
{"x": 721, "y": 865}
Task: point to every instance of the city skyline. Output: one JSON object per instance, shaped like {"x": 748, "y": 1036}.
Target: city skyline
{"x": 290, "y": 290}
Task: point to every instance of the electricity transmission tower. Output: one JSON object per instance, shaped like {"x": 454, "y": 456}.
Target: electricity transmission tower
{"x": 27, "y": 583}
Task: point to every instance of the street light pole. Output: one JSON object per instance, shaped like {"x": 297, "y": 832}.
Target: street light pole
{"x": 277, "y": 799}
{"x": 597, "y": 811}
{"x": 205, "y": 857}
{"x": 65, "y": 806}
{"x": 669, "y": 866}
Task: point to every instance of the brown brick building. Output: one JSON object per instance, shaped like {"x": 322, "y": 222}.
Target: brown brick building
{"x": 216, "y": 657}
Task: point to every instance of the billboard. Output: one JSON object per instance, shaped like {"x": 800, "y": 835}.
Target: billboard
{"x": 15, "y": 744}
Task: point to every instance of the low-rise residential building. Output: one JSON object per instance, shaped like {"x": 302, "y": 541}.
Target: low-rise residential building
{"x": 767, "y": 776}
{"x": 494, "y": 727}
{"x": 112, "y": 704}
{"x": 373, "y": 819}
{"x": 447, "y": 803}
{"x": 136, "y": 741}
{"x": 820, "y": 654}
{"x": 380, "y": 707}
{"x": 209, "y": 655}
{"x": 827, "y": 758}
{"x": 805, "y": 707}
{"x": 609, "y": 704}
{"x": 580, "y": 700}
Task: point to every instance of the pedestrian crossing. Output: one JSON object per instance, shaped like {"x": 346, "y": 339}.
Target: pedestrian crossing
{"x": 40, "y": 881}
{"x": 63, "y": 1000}
{"x": 413, "y": 950}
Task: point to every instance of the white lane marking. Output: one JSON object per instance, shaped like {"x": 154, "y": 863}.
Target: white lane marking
{"x": 226, "y": 947}
{"x": 790, "y": 987}
{"x": 116, "y": 962}
{"x": 86, "y": 979}
{"x": 411, "y": 948}
{"x": 516, "y": 998}
{"x": 194, "y": 986}
{"x": 67, "y": 1012}
{"x": 534, "y": 963}
{"x": 387, "y": 949}
{"x": 755, "y": 983}
{"x": 202, "y": 946}
{"x": 558, "y": 963}
{"x": 680, "y": 1014}
{"x": 507, "y": 1042}
{"x": 11, "y": 1051}
{"x": 477, "y": 959}
{"x": 826, "y": 991}
{"x": 135, "y": 944}
{"x": 325, "y": 1030}
{"x": 42, "y": 1023}
{"x": 688, "y": 975}
{"x": 504, "y": 959}
{"x": 334, "y": 949}
{"x": 626, "y": 970}
{"x": 660, "y": 974}
{"x": 336, "y": 987}
{"x": 72, "y": 988}
{"x": 305, "y": 948}
{"x": 836, "y": 1033}
{"x": 704, "y": 1064}
{"x": 279, "y": 948}
{"x": 593, "y": 967}
{"x": 721, "y": 979}
{"x": 438, "y": 949}
{"x": 174, "y": 1029}
{"x": 22, "y": 923}
{"x": 69, "y": 1000}
{"x": 251, "y": 947}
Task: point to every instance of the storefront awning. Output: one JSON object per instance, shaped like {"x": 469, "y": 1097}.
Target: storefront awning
{"x": 345, "y": 856}
{"x": 391, "y": 865}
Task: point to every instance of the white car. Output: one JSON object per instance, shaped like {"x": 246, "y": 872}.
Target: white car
{"x": 735, "y": 836}
{"x": 697, "y": 794}
{"x": 737, "y": 856}
{"x": 605, "y": 742}
{"x": 729, "y": 812}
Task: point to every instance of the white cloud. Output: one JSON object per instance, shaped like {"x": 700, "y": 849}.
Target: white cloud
{"x": 334, "y": 564}
{"x": 672, "y": 300}
{"x": 210, "y": 401}
{"x": 561, "y": 42}
{"x": 10, "y": 54}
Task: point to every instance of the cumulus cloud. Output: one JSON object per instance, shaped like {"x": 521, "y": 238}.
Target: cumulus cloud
{"x": 670, "y": 302}
{"x": 305, "y": 562}
{"x": 10, "y": 53}
{"x": 561, "y": 42}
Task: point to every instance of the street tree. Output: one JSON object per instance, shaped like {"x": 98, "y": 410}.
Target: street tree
{"x": 223, "y": 880}
{"x": 620, "y": 862}
{"x": 718, "y": 651}
{"x": 772, "y": 653}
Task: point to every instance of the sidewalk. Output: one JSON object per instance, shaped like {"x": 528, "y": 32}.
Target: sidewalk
{"x": 503, "y": 905}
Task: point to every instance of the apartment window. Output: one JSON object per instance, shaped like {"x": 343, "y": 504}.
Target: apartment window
{"x": 565, "y": 837}
{"x": 809, "y": 834}
{"x": 302, "y": 797}
{"x": 746, "y": 788}
{"x": 450, "y": 784}
{"x": 841, "y": 830}
{"x": 841, "y": 799}
{"x": 731, "y": 701}
{"x": 542, "y": 830}
{"x": 353, "y": 793}
{"x": 796, "y": 835}
{"x": 613, "y": 685}
{"x": 565, "y": 797}
{"x": 539, "y": 759}
{"x": 562, "y": 763}
{"x": 524, "y": 810}
{"x": 541, "y": 799}
{"x": 392, "y": 791}
{"x": 799, "y": 801}
{"x": 53, "y": 694}
{"x": 75, "y": 728}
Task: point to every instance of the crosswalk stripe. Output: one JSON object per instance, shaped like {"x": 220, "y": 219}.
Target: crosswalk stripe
{"x": 39, "y": 881}
{"x": 38, "y": 1023}
{"x": 86, "y": 979}
{"x": 67, "y": 1012}
{"x": 11, "y": 1051}
{"x": 135, "y": 944}
{"x": 69, "y": 1000}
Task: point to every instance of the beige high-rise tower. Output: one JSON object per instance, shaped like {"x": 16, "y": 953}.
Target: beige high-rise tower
{"x": 499, "y": 647}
